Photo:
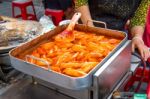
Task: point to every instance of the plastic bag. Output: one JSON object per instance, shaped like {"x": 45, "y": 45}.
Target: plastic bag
{"x": 40, "y": 10}
{"x": 24, "y": 30}
{"x": 47, "y": 24}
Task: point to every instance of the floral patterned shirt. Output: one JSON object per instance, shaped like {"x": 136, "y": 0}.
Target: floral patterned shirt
{"x": 140, "y": 15}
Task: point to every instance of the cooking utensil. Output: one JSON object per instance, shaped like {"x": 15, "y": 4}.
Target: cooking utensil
{"x": 67, "y": 34}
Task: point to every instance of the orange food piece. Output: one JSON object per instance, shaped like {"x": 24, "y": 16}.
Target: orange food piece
{"x": 96, "y": 54}
{"x": 107, "y": 45}
{"x": 100, "y": 38}
{"x": 51, "y": 53}
{"x": 74, "y": 65}
{"x": 80, "y": 56}
{"x": 41, "y": 51}
{"x": 91, "y": 59}
{"x": 65, "y": 57}
{"x": 92, "y": 46}
{"x": 78, "y": 48}
{"x": 35, "y": 54}
{"x": 106, "y": 52}
{"x": 55, "y": 68}
{"x": 31, "y": 60}
{"x": 49, "y": 60}
{"x": 73, "y": 72}
{"x": 87, "y": 66}
{"x": 113, "y": 41}
{"x": 42, "y": 63}
{"x": 47, "y": 46}
{"x": 54, "y": 61}
{"x": 63, "y": 44}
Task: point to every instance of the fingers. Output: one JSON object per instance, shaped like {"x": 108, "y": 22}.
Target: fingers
{"x": 140, "y": 46}
{"x": 146, "y": 53}
{"x": 133, "y": 47}
{"x": 143, "y": 50}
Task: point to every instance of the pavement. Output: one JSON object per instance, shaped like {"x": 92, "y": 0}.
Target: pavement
{"x": 6, "y": 9}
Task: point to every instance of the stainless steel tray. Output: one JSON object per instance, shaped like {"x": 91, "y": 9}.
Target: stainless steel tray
{"x": 61, "y": 80}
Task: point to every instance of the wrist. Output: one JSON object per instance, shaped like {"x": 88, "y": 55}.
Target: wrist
{"x": 138, "y": 38}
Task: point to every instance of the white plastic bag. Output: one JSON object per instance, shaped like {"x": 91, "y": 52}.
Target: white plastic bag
{"x": 40, "y": 11}
{"x": 47, "y": 23}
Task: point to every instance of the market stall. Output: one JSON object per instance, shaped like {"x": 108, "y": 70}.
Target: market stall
{"x": 109, "y": 73}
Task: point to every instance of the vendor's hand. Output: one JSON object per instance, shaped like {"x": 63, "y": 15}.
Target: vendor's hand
{"x": 142, "y": 48}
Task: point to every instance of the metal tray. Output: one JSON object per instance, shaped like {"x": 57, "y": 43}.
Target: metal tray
{"x": 61, "y": 80}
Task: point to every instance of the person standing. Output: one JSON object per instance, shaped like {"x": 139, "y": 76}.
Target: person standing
{"x": 140, "y": 29}
{"x": 116, "y": 13}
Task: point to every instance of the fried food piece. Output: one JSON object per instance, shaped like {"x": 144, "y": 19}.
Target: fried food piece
{"x": 92, "y": 46}
{"x": 55, "y": 68}
{"x": 107, "y": 45}
{"x": 96, "y": 54}
{"x": 47, "y": 46}
{"x": 113, "y": 41}
{"x": 74, "y": 73}
{"x": 70, "y": 65}
{"x": 35, "y": 54}
{"x": 51, "y": 53}
{"x": 63, "y": 44}
{"x": 41, "y": 51}
{"x": 78, "y": 48}
{"x": 31, "y": 60}
{"x": 65, "y": 57}
{"x": 87, "y": 66}
{"x": 41, "y": 63}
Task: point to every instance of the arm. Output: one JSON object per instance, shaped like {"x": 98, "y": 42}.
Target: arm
{"x": 137, "y": 42}
{"x": 137, "y": 29}
{"x": 82, "y": 7}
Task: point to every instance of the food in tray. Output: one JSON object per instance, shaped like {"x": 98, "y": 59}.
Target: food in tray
{"x": 16, "y": 32}
{"x": 75, "y": 58}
